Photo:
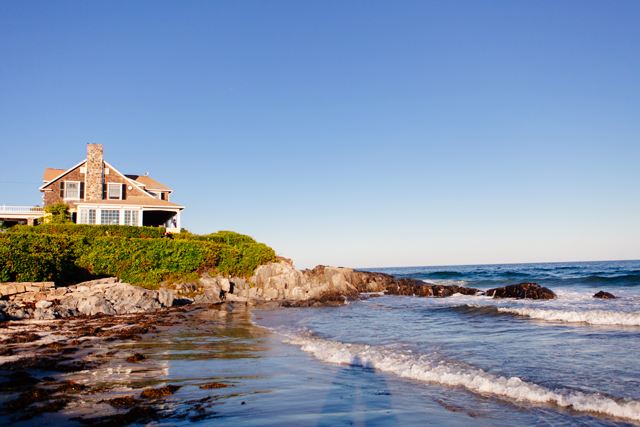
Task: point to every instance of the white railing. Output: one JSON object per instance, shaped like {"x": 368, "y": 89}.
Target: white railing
{"x": 20, "y": 209}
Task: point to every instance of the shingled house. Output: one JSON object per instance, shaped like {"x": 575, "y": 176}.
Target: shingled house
{"x": 97, "y": 193}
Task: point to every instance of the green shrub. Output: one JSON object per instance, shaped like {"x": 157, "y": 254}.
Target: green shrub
{"x": 91, "y": 231}
{"x": 226, "y": 237}
{"x": 146, "y": 261}
{"x": 59, "y": 214}
{"x": 243, "y": 259}
{"x": 139, "y": 255}
{"x": 38, "y": 257}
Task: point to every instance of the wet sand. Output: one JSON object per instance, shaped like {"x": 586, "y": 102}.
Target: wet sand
{"x": 196, "y": 364}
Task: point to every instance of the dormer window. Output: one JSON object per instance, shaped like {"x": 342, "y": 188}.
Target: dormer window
{"x": 114, "y": 192}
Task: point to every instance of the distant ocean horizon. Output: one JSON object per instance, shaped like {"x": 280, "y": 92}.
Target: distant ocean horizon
{"x": 570, "y": 360}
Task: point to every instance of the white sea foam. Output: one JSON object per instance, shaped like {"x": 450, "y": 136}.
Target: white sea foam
{"x": 429, "y": 368}
{"x": 593, "y": 317}
{"x": 446, "y": 282}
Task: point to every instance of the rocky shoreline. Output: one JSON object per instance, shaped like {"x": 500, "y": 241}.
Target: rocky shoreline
{"x": 279, "y": 282}
{"x": 57, "y": 344}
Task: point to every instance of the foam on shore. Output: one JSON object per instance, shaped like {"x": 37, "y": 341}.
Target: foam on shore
{"x": 430, "y": 368}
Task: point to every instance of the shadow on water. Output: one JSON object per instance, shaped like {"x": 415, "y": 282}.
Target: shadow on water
{"x": 359, "y": 397}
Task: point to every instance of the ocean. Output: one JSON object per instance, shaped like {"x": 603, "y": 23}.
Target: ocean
{"x": 574, "y": 360}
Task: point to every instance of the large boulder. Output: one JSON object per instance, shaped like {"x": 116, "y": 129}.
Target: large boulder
{"x": 522, "y": 291}
{"x": 131, "y": 299}
{"x": 94, "y": 303}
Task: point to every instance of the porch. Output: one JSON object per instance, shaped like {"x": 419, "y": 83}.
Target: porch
{"x": 16, "y": 214}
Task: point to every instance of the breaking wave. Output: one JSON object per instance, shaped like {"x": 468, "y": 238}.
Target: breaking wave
{"x": 592, "y": 317}
{"x": 428, "y": 368}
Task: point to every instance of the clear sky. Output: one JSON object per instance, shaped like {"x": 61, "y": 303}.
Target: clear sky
{"x": 351, "y": 133}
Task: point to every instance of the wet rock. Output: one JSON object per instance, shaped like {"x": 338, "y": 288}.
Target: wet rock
{"x": 413, "y": 287}
{"x": 522, "y": 291}
{"x": 167, "y": 390}
{"x": 136, "y": 358}
{"x": 124, "y": 401}
{"x": 71, "y": 387}
{"x": 213, "y": 385}
{"x": 604, "y": 295}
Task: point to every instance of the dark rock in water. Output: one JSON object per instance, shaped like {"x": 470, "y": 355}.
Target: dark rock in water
{"x": 521, "y": 291}
{"x": 604, "y": 295}
{"x": 418, "y": 288}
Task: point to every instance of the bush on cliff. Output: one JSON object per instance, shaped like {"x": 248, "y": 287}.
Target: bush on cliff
{"x": 38, "y": 257}
{"x": 66, "y": 252}
{"x": 92, "y": 230}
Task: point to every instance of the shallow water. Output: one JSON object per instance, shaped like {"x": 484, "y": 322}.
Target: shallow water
{"x": 568, "y": 361}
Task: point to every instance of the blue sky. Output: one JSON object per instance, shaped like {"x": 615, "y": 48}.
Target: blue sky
{"x": 360, "y": 134}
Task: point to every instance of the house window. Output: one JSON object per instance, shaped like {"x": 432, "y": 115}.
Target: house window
{"x": 115, "y": 191}
{"x": 131, "y": 218}
{"x": 109, "y": 217}
{"x": 87, "y": 216}
{"x": 72, "y": 190}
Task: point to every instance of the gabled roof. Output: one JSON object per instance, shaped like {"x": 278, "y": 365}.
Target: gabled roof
{"x": 62, "y": 173}
{"x": 148, "y": 183}
{"x": 51, "y": 174}
{"x": 142, "y": 181}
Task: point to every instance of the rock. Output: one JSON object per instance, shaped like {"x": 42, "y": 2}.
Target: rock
{"x": 165, "y": 298}
{"x": 521, "y": 291}
{"x": 12, "y": 311}
{"x": 224, "y": 284}
{"x": 45, "y": 314}
{"x": 604, "y": 295}
{"x": 210, "y": 295}
{"x": 44, "y": 304}
{"x": 239, "y": 284}
{"x": 93, "y": 304}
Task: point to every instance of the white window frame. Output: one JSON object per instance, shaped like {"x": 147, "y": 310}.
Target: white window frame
{"x": 66, "y": 190}
{"x": 109, "y": 186}
{"x": 134, "y": 217}
{"x": 84, "y": 216}
{"x": 119, "y": 216}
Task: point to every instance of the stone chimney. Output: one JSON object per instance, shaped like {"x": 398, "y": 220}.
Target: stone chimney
{"x": 95, "y": 169}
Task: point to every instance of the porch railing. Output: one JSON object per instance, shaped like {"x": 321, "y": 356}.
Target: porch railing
{"x": 20, "y": 209}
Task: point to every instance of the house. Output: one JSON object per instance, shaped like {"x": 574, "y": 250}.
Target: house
{"x": 97, "y": 193}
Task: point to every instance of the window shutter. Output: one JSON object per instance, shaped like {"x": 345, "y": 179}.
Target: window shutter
{"x": 81, "y": 190}
{"x": 104, "y": 191}
{"x": 124, "y": 191}
{"x": 162, "y": 196}
{"x": 62, "y": 189}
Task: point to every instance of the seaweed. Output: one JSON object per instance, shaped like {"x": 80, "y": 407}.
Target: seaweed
{"x": 167, "y": 390}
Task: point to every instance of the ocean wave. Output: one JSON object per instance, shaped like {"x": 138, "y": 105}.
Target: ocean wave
{"x": 592, "y": 317}
{"x": 428, "y": 368}
{"x": 446, "y": 282}
{"x": 444, "y": 274}
{"x": 623, "y": 279}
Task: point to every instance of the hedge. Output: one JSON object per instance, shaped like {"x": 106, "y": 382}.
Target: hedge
{"x": 39, "y": 257}
{"x": 92, "y": 230}
{"x": 146, "y": 261}
{"x": 67, "y": 253}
